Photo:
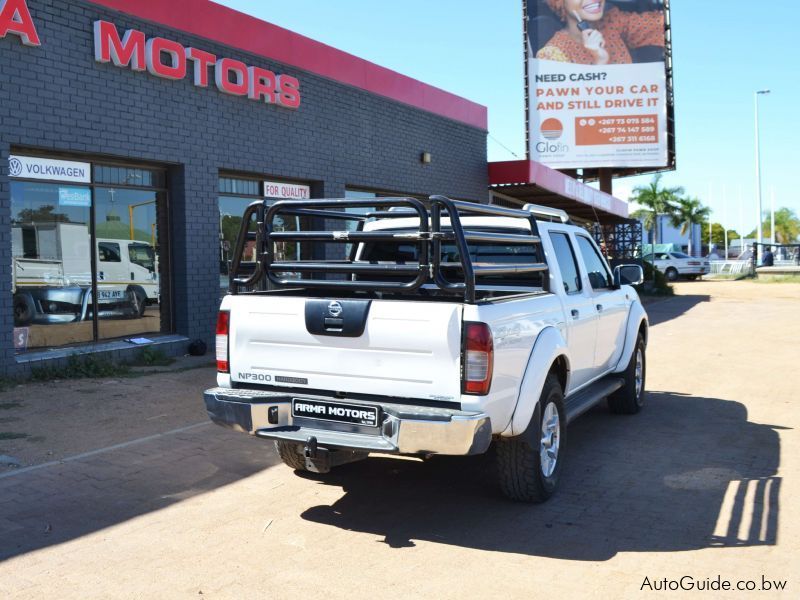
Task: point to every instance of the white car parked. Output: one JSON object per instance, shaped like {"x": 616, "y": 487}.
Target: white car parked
{"x": 678, "y": 264}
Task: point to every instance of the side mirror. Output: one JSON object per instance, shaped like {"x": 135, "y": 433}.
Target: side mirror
{"x": 628, "y": 275}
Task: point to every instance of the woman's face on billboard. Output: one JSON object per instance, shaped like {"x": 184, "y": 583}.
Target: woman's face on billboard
{"x": 588, "y": 10}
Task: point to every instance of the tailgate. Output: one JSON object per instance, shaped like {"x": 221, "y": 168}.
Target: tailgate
{"x": 408, "y": 349}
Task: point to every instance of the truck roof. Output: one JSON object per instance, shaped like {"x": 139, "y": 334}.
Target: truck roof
{"x": 475, "y": 222}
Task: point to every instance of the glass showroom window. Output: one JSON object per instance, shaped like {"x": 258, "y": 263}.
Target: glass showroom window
{"x": 128, "y": 261}
{"x": 70, "y": 241}
{"x": 52, "y": 271}
{"x": 235, "y": 195}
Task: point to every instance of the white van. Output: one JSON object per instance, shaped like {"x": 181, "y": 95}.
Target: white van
{"x": 52, "y": 275}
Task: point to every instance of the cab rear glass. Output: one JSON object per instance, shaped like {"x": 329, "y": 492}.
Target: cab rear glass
{"x": 407, "y": 253}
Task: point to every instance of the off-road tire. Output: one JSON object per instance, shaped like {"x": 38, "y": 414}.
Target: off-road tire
{"x": 672, "y": 274}
{"x": 626, "y": 400}
{"x": 291, "y": 455}
{"x": 139, "y": 300}
{"x": 24, "y": 310}
{"x": 519, "y": 462}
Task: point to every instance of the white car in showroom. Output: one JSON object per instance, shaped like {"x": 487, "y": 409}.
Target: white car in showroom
{"x": 677, "y": 264}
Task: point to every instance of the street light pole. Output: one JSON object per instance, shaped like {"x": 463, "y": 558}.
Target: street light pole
{"x": 758, "y": 177}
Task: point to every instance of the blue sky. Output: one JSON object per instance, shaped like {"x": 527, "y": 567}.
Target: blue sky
{"x": 723, "y": 53}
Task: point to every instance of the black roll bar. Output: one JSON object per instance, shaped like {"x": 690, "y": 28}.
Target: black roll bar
{"x": 429, "y": 233}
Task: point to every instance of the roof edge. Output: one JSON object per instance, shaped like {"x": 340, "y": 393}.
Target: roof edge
{"x": 529, "y": 172}
{"x": 229, "y": 27}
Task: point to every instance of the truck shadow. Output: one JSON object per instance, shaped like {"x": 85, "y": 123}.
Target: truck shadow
{"x": 672, "y": 308}
{"x": 687, "y": 473}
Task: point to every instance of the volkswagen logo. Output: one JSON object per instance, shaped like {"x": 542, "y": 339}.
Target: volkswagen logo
{"x": 334, "y": 309}
{"x": 14, "y": 167}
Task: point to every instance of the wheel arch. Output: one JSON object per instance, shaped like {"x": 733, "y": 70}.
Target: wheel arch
{"x": 638, "y": 323}
{"x": 549, "y": 349}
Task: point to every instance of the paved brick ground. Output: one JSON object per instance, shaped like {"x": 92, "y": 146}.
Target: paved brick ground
{"x": 702, "y": 483}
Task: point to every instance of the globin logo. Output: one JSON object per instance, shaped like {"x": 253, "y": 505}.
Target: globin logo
{"x": 170, "y": 60}
{"x": 552, "y": 129}
{"x": 15, "y": 18}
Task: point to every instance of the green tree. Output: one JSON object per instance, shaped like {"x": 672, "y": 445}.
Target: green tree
{"x": 787, "y": 227}
{"x": 42, "y": 214}
{"x": 688, "y": 212}
{"x": 718, "y": 235}
{"x": 654, "y": 200}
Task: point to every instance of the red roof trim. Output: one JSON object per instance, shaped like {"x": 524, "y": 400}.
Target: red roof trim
{"x": 238, "y": 30}
{"x": 527, "y": 172}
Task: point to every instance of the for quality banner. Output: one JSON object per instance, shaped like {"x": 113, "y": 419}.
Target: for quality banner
{"x": 597, "y": 86}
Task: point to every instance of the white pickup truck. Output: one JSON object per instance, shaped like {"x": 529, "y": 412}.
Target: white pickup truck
{"x": 449, "y": 326}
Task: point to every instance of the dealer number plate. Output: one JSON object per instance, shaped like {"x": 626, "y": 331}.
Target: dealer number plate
{"x": 355, "y": 414}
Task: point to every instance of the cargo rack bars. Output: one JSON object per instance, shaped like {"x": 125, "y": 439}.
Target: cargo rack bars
{"x": 430, "y": 235}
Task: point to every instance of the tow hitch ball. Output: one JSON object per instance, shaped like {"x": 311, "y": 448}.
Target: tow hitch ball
{"x": 321, "y": 460}
{"x": 318, "y": 460}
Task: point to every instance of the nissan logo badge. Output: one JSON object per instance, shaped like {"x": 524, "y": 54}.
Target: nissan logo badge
{"x": 334, "y": 309}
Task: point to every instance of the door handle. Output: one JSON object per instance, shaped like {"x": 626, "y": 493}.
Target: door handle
{"x": 599, "y": 308}
{"x": 575, "y": 313}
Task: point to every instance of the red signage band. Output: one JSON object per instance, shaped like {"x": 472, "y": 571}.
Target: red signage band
{"x": 15, "y": 18}
{"x": 222, "y": 25}
{"x": 170, "y": 60}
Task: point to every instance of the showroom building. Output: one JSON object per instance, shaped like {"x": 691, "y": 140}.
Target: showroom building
{"x": 133, "y": 133}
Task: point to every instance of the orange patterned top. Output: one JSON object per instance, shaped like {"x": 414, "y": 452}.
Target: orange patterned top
{"x": 621, "y": 30}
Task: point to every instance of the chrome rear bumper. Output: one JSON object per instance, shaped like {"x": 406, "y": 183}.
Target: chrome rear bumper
{"x": 403, "y": 429}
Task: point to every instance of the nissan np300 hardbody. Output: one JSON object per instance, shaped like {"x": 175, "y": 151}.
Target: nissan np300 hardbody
{"x": 447, "y": 326}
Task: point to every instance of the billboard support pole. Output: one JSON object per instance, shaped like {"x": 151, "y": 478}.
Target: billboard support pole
{"x": 606, "y": 181}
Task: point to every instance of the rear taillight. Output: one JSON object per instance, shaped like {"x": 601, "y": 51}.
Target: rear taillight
{"x": 478, "y": 358}
{"x": 223, "y": 325}
{"x": 694, "y": 263}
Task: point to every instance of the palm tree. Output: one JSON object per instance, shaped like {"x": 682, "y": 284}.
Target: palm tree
{"x": 787, "y": 227}
{"x": 654, "y": 200}
{"x": 688, "y": 213}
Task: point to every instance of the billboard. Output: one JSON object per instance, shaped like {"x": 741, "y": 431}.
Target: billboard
{"x": 597, "y": 83}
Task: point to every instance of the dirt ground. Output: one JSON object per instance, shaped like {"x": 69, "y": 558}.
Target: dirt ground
{"x": 123, "y": 490}
{"x": 50, "y": 421}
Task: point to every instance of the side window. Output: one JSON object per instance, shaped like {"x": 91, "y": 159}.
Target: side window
{"x": 109, "y": 252}
{"x": 565, "y": 257}
{"x": 599, "y": 277}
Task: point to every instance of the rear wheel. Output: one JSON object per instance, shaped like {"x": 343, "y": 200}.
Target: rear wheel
{"x": 672, "y": 274}
{"x": 529, "y": 466}
{"x": 291, "y": 455}
{"x": 692, "y": 277}
{"x": 628, "y": 400}
{"x": 24, "y": 310}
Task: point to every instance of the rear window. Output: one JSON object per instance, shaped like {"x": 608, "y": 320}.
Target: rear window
{"x": 680, "y": 255}
{"x": 404, "y": 252}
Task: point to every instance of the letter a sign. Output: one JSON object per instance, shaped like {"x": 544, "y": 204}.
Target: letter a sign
{"x": 16, "y": 18}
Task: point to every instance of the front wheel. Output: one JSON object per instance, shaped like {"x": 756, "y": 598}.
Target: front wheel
{"x": 529, "y": 466}
{"x": 628, "y": 400}
{"x": 138, "y": 299}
